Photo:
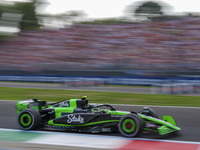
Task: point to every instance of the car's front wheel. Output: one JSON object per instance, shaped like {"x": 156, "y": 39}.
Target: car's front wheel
{"x": 149, "y": 112}
{"x": 130, "y": 125}
{"x": 29, "y": 119}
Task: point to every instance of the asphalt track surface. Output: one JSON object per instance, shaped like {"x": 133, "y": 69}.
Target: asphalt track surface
{"x": 187, "y": 118}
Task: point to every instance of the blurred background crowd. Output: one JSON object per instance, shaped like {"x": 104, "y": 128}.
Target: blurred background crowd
{"x": 171, "y": 44}
{"x": 164, "y": 45}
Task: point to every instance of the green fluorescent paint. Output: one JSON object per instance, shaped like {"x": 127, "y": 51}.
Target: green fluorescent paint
{"x": 150, "y": 130}
{"x": 72, "y": 103}
{"x": 21, "y": 106}
{"x": 35, "y": 107}
{"x": 24, "y": 104}
{"x": 87, "y": 124}
{"x": 60, "y": 110}
{"x": 169, "y": 119}
{"x": 133, "y": 124}
{"x": 22, "y": 120}
{"x": 165, "y": 130}
{"x": 120, "y": 113}
{"x": 159, "y": 121}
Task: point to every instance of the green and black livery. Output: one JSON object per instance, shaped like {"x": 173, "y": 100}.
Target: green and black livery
{"x": 78, "y": 115}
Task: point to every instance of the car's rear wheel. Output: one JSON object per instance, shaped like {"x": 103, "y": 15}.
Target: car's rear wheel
{"x": 29, "y": 119}
{"x": 130, "y": 125}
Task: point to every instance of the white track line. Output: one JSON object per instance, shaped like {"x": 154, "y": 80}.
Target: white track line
{"x": 101, "y": 136}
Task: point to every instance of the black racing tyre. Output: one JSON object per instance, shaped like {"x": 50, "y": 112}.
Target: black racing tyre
{"x": 130, "y": 125}
{"x": 153, "y": 113}
{"x": 149, "y": 112}
{"x": 29, "y": 119}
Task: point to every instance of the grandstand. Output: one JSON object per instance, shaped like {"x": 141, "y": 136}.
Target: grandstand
{"x": 167, "y": 46}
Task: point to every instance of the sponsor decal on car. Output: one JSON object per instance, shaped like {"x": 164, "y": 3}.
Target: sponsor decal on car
{"x": 73, "y": 118}
{"x": 116, "y": 116}
{"x": 64, "y": 104}
{"x": 149, "y": 125}
{"x": 59, "y": 127}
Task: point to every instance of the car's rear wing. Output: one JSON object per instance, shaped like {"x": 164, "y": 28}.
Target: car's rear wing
{"x": 30, "y": 103}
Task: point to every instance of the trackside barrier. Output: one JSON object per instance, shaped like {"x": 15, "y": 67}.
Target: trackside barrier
{"x": 81, "y": 83}
{"x": 161, "y": 89}
{"x": 196, "y": 88}
{"x": 176, "y": 88}
{"x": 110, "y": 80}
{"x": 187, "y": 88}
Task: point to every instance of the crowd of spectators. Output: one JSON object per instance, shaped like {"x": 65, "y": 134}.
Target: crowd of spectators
{"x": 167, "y": 45}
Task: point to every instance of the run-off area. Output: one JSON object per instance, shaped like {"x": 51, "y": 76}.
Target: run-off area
{"x": 91, "y": 141}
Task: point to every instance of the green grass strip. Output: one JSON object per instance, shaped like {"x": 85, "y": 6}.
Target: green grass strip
{"x": 17, "y": 135}
{"x": 10, "y": 93}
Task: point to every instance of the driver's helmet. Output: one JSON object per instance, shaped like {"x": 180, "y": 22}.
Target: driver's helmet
{"x": 83, "y": 97}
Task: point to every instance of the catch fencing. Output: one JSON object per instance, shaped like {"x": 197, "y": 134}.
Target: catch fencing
{"x": 159, "y": 85}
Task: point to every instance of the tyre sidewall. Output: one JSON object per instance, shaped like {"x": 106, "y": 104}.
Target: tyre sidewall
{"x": 33, "y": 116}
{"x": 153, "y": 112}
{"x": 135, "y": 122}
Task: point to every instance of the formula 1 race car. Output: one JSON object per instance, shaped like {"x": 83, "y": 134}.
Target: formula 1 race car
{"x": 78, "y": 115}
